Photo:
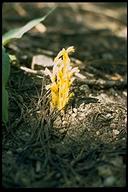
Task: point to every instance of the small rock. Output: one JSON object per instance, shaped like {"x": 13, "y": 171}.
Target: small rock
{"x": 41, "y": 60}
{"x": 125, "y": 93}
{"x": 81, "y": 118}
{"x": 38, "y": 166}
{"x": 97, "y": 132}
{"x": 84, "y": 88}
{"x": 64, "y": 122}
{"x": 74, "y": 115}
{"x": 38, "y": 112}
{"x": 81, "y": 114}
{"x": 62, "y": 131}
{"x": 125, "y": 120}
{"x": 108, "y": 115}
{"x": 70, "y": 112}
{"x": 109, "y": 181}
{"x": 74, "y": 110}
{"x": 116, "y": 132}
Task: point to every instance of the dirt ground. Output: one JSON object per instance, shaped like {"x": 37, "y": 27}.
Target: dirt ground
{"x": 86, "y": 146}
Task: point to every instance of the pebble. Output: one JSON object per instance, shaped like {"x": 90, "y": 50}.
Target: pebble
{"x": 38, "y": 112}
{"x": 81, "y": 114}
{"x": 109, "y": 181}
{"x": 97, "y": 132}
{"x": 62, "y": 131}
{"x": 125, "y": 93}
{"x": 38, "y": 166}
{"x": 74, "y": 110}
{"x": 70, "y": 112}
{"x": 82, "y": 105}
{"x": 108, "y": 115}
{"x": 64, "y": 122}
{"x": 125, "y": 120}
{"x": 116, "y": 132}
{"x": 81, "y": 118}
{"x": 74, "y": 115}
{"x": 84, "y": 88}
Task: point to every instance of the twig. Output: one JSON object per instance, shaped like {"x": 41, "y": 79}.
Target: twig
{"x": 41, "y": 73}
{"x": 106, "y": 84}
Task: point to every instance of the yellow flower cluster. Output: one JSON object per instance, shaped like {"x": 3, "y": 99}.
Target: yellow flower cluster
{"x": 61, "y": 77}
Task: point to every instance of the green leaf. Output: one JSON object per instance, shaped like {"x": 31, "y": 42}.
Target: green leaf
{"x": 5, "y": 67}
{"x": 5, "y": 76}
{"x": 19, "y": 32}
{"x": 4, "y": 105}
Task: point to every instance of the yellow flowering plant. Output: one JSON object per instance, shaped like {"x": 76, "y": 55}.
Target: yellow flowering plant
{"x": 62, "y": 77}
